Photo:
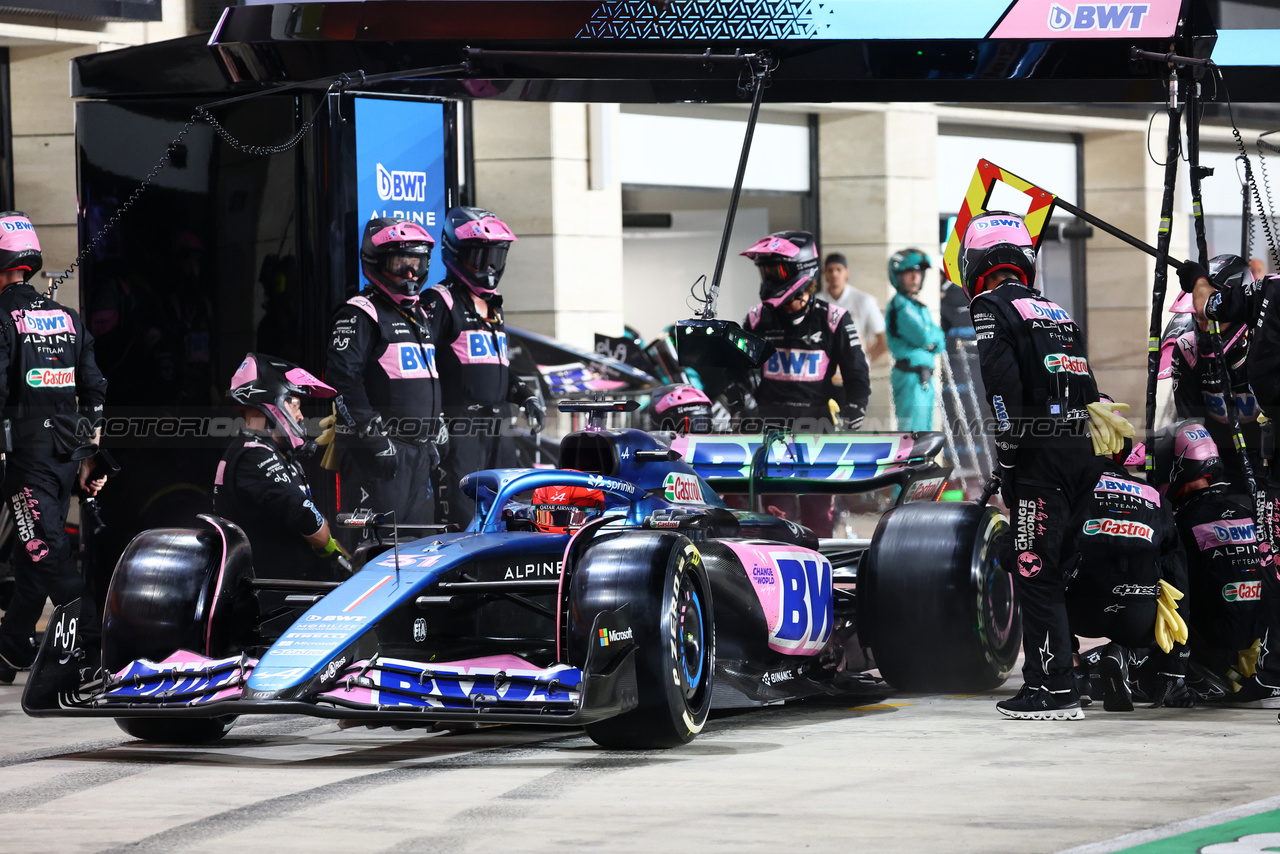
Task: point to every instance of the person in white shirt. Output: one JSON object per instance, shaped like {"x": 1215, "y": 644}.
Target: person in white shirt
{"x": 862, "y": 307}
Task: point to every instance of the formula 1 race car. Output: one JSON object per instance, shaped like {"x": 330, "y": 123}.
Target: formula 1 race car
{"x": 635, "y": 625}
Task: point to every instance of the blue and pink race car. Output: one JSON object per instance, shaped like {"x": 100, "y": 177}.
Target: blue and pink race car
{"x": 637, "y": 624}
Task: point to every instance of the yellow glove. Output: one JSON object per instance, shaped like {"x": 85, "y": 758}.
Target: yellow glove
{"x": 835, "y": 411}
{"x": 329, "y": 461}
{"x": 1247, "y": 664}
{"x": 1262, "y": 419}
{"x": 1107, "y": 428}
{"x": 1170, "y": 628}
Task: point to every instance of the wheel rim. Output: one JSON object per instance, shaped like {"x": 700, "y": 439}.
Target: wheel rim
{"x": 999, "y": 606}
{"x": 692, "y": 646}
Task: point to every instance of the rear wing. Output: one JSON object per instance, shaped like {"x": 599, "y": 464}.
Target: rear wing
{"x": 824, "y": 463}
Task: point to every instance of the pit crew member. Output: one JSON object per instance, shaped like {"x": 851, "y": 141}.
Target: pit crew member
{"x": 915, "y": 340}
{"x": 476, "y": 383}
{"x": 1229, "y": 583}
{"x": 1127, "y": 546}
{"x": 813, "y": 338}
{"x": 1038, "y": 385}
{"x": 682, "y": 409}
{"x": 382, "y": 361}
{"x": 1253, "y": 302}
{"x": 52, "y": 393}
{"x": 260, "y": 484}
{"x": 1197, "y": 384}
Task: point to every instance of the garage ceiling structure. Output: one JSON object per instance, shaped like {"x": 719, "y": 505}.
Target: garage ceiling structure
{"x": 827, "y": 50}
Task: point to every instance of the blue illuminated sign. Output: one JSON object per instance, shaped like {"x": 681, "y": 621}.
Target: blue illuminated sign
{"x": 400, "y": 165}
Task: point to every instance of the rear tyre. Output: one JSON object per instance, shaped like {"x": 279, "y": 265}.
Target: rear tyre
{"x": 662, "y": 579}
{"x": 933, "y": 604}
{"x": 178, "y": 589}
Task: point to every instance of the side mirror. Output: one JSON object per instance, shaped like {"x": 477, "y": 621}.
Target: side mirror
{"x": 720, "y": 344}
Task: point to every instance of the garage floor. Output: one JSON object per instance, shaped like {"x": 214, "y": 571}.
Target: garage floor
{"x": 914, "y": 773}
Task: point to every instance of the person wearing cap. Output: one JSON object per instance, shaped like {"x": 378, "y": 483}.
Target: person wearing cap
{"x": 1197, "y": 379}
{"x": 1227, "y": 574}
{"x": 52, "y": 394}
{"x": 476, "y": 382}
{"x": 862, "y": 306}
{"x": 1039, "y": 387}
{"x": 1129, "y": 556}
{"x": 260, "y": 484}
{"x": 915, "y": 340}
{"x": 382, "y": 362}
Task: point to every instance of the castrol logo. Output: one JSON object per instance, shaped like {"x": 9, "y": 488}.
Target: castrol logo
{"x": 682, "y": 489}
{"x": 51, "y": 377}
{"x": 1117, "y": 528}
{"x": 1242, "y": 591}
{"x": 1062, "y": 363}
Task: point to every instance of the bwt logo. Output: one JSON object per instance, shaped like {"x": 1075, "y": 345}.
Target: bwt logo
{"x": 401, "y": 186}
{"x": 1102, "y": 16}
{"x": 17, "y": 225}
{"x": 992, "y": 223}
{"x": 1242, "y": 531}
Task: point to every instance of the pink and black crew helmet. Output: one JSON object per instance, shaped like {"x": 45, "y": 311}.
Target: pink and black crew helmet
{"x": 787, "y": 261}
{"x": 1185, "y": 452}
{"x": 396, "y": 254}
{"x": 265, "y": 383}
{"x": 683, "y": 408}
{"x": 996, "y": 241}
{"x": 475, "y": 247}
{"x": 19, "y": 246}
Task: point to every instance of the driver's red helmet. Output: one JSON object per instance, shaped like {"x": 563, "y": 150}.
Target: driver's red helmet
{"x": 565, "y": 509}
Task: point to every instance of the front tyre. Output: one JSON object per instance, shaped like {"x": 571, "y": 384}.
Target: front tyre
{"x": 178, "y": 730}
{"x": 663, "y": 580}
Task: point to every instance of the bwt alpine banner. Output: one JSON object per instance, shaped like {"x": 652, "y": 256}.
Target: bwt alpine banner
{"x": 400, "y": 165}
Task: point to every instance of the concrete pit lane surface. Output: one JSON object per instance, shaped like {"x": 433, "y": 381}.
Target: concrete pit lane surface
{"x": 910, "y": 773}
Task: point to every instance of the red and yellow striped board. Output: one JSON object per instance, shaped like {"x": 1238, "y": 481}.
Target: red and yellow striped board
{"x": 975, "y": 203}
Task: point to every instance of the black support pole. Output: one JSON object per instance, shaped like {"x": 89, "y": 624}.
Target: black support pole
{"x": 1162, "y": 268}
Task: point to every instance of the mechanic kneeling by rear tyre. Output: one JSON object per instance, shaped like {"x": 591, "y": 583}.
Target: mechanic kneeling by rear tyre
{"x": 1232, "y": 586}
{"x": 1039, "y": 386}
{"x": 260, "y": 484}
{"x": 1128, "y": 550}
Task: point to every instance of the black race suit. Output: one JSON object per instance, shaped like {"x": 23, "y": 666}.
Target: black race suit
{"x": 1127, "y": 543}
{"x": 47, "y": 369}
{"x": 796, "y": 381}
{"x": 1038, "y": 383}
{"x": 1197, "y": 393}
{"x": 382, "y": 361}
{"x": 264, "y": 491}
{"x": 478, "y": 388}
{"x": 1255, "y": 303}
{"x": 1226, "y": 578}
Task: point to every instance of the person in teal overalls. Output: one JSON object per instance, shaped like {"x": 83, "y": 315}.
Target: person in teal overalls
{"x": 915, "y": 340}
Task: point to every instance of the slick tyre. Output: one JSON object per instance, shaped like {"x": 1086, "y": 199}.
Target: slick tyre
{"x": 178, "y": 589}
{"x": 662, "y": 579}
{"x": 937, "y": 611}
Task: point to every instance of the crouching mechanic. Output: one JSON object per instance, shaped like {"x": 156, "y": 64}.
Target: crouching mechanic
{"x": 476, "y": 383}
{"x": 915, "y": 340}
{"x": 1225, "y": 566}
{"x": 260, "y": 484}
{"x": 1254, "y": 302}
{"x": 382, "y": 361}
{"x": 1039, "y": 387}
{"x": 813, "y": 338}
{"x": 52, "y": 393}
{"x": 1130, "y": 557}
